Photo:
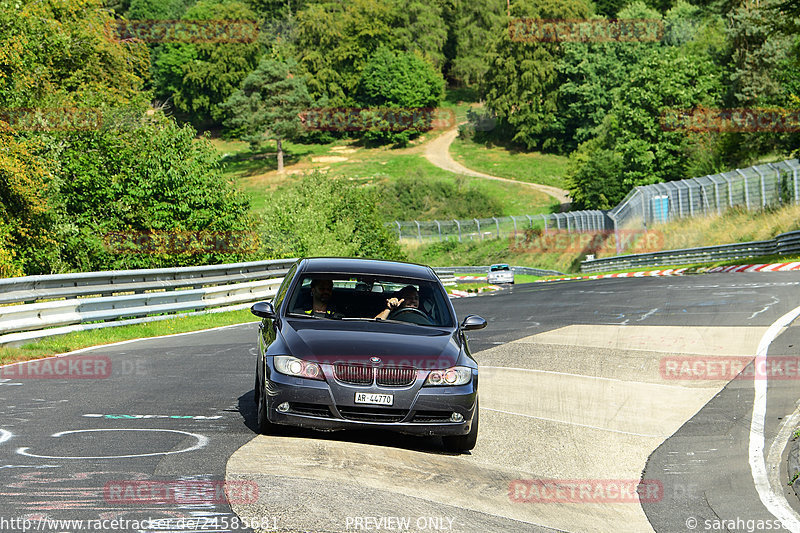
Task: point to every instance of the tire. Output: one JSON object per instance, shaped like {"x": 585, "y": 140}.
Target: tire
{"x": 463, "y": 443}
{"x": 264, "y": 425}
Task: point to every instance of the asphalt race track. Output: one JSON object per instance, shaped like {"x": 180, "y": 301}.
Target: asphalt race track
{"x": 588, "y": 389}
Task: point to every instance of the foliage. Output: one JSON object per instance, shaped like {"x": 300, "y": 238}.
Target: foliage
{"x": 398, "y": 80}
{"x": 136, "y": 177}
{"x": 200, "y": 76}
{"x": 268, "y": 104}
{"x": 522, "y": 80}
{"x": 323, "y": 216}
{"x": 334, "y": 41}
{"x": 473, "y": 24}
{"x": 428, "y": 199}
{"x": 632, "y": 148}
{"x": 62, "y": 54}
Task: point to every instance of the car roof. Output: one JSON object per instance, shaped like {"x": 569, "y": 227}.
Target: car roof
{"x": 349, "y": 265}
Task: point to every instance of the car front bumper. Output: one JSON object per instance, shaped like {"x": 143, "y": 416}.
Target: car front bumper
{"x": 330, "y": 405}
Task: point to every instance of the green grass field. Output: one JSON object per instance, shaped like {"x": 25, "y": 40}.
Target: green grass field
{"x": 533, "y": 167}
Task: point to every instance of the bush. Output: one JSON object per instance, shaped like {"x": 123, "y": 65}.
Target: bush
{"x": 323, "y": 216}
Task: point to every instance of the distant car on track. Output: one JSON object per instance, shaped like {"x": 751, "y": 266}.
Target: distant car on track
{"x": 326, "y": 362}
{"x": 500, "y": 273}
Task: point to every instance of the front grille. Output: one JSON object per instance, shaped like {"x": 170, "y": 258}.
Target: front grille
{"x": 395, "y": 376}
{"x": 372, "y": 414}
{"x": 354, "y": 374}
{"x": 310, "y": 409}
{"x": 384, "y": 376}
{"x": 431, "y": 416}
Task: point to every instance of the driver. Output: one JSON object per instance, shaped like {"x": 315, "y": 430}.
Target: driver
{"x": 407, "y": 297}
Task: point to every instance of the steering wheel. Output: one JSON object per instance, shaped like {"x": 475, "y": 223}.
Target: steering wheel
{"x": 415, "y": 312}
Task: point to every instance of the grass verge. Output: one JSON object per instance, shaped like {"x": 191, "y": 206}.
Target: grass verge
{"x": 532, "y": 167}
{"x": 84, "y": 339}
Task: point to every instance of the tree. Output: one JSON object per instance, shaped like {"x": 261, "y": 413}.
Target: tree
{"x": 402, "y": 81}
{"x": 632, "y": 148}
{"x": 472, "y": 28}
{"x": 521, "y": 84}
{"x": 204, "y": 74}
{"x": 268, "y": 104}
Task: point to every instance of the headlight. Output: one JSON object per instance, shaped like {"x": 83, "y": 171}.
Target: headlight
{"x": 292, "y": 366}
{"x": 457, "y": 375}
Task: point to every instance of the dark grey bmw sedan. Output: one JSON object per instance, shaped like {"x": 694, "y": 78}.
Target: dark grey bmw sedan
{"x": 356, "y": 343}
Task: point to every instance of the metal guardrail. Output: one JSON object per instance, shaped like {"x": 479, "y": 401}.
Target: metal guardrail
{"x": 95, "y": 300}
{"x": 783, "y": 244}
{"x": 42, "y": 306}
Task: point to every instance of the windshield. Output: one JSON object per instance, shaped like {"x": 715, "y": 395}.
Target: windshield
{"x": 358, "y": 297}
{"x": 496, "y": 268}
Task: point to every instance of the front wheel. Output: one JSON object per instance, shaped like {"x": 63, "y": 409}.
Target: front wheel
{"x": 264, "y": 425}
{"x": 463, "y": 443}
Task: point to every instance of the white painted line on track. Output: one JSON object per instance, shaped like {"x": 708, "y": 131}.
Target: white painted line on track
{"x": 771, "y": 496}
{"x": 5, "y": 435}
{"x": 575, "y": 424}
{"x": 202, "y": 441}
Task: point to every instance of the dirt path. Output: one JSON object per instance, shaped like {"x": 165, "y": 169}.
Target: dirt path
{"x": 437, "y": 152}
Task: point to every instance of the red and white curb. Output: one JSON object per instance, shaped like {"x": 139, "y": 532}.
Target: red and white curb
{"x": 464, "y": 294}
{"x": 770, "y": 267}
{"x": 471, "y": 278}
{"x": 668, "y": 272}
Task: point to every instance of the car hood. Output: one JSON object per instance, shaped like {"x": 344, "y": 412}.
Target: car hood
{"x": 356, "y": 342}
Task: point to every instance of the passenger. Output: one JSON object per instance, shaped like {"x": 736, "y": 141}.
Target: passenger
{"x": 321, "y": 292}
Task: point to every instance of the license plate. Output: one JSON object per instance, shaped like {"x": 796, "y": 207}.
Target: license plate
{"x": 375, "y": 399}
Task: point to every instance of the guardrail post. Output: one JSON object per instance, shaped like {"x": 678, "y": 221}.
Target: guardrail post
{"x": 440, "y": 229}
{"x": 399, "y": 230}
{"x": 680, "y": 202}
{"x": 419, "y": 232}
{"x": 458, "y": 224}
{"x": 515, "y": 224}
{"x": 497, "y": 224}
{"x": 716, "y": 195}
{"x": 691, "y": 202}
{"x": 478, "y": 222}
{"x": 794, "y": 179}
{"x": 730, "y": 190}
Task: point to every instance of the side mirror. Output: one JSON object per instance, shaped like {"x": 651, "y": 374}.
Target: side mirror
{"x": 473, "y": 322}
{"x": 263, "y": 310}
